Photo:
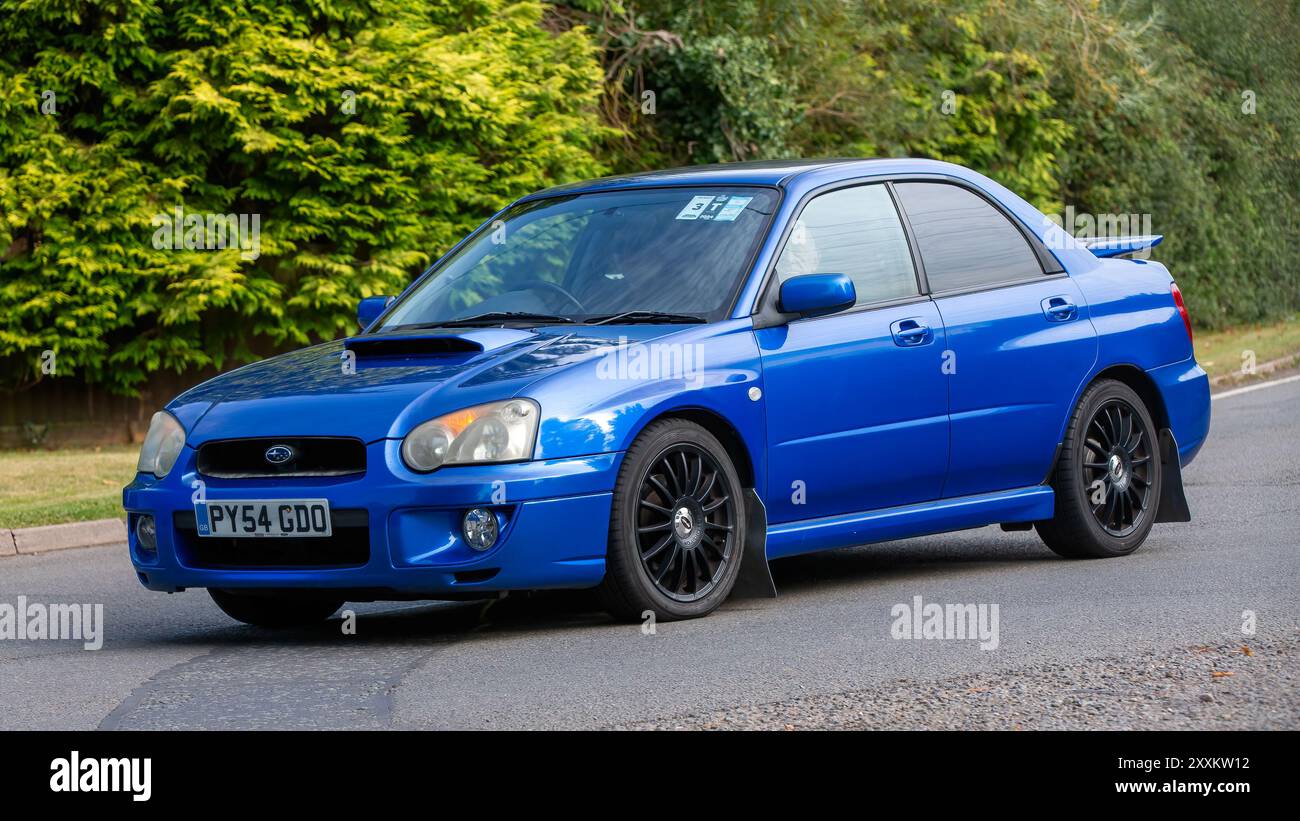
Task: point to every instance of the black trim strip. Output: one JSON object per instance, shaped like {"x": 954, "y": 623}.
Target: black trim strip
{"x": 918, "y": 263}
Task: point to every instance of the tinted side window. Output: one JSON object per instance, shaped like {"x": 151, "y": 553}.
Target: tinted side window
{"x": 965, "y": 242}
{"x": 855, "y": 232}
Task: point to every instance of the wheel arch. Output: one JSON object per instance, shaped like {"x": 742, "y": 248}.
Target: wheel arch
{"x": 1141, "y": 383}
{"x": 1131, "y": 375}
{"x": 722, "y": 429}
{"x": 1172, "y": 504}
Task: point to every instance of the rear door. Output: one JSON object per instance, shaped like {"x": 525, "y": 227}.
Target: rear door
{"x": 1019, "y": 341}
{"x": 856, "y": 402}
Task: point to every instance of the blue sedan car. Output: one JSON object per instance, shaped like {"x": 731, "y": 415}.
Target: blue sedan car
{"x": 653, "y": 384}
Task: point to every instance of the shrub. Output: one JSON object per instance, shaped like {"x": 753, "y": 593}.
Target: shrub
{"x": 367, "y": 135}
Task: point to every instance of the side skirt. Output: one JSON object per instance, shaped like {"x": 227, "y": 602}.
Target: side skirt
{"x": 1028, "y": 504}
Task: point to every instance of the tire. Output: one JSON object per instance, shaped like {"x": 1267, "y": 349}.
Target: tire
{"x": 275, "y": 609}
{"x": 676, "y": 534}
{"x": 1110, "y": 452}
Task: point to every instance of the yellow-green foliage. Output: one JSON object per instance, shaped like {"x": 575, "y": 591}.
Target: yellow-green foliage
{"x": 243, "y": 108}
{"x": 1106, "y": 106}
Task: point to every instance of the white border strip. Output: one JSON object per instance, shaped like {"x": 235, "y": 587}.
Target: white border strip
{"x": 1261, "y": 386}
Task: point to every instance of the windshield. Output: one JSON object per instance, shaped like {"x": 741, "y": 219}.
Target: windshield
{"x": 665, "y": 254}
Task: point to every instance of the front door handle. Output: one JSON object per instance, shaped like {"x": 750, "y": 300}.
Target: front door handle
{"x": 1059, "y": 309}
{"x": 909, "y": 333}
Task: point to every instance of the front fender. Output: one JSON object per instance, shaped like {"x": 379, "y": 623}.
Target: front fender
{"x": 602, "y": 405}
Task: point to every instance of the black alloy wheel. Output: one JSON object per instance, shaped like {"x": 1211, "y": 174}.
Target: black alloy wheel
{"x": 677, "y": 525}
{"x": 686, "y": 523}
{"x": 1107, "y": 477}
{"x": 1117, "y": 467}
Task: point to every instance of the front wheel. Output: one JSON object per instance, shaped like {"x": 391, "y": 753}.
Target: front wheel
{"x": 677, "y": 527}
{"x": 268, "y": 609}
{"x": 1107, "y": 480}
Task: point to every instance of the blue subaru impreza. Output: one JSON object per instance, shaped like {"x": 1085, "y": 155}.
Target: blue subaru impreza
{"x": 653, "y": 384}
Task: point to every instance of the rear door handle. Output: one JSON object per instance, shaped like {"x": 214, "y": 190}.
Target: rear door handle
{"x": 909, "y": 333}
{"x": 1059, "y": 309}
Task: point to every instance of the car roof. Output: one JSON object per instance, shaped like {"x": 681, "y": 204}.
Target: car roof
{"x": 758, "y": 172}
{"x": 800, "y": 177}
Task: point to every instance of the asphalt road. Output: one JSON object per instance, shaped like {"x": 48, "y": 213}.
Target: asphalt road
{"x": 1153, "y": 639}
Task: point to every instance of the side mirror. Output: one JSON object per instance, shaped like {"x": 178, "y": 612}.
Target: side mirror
{"x": 369, "y": 309}
{"x": 817, "y": 294}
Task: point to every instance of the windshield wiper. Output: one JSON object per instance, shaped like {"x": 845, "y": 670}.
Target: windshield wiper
{"x": 646, "y": 317}
{"x": 489, "y": 318}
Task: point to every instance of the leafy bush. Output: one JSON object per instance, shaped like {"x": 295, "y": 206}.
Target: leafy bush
{"x": 243, "y": 108}
{"x": 1108, "y": 106}
{"x": 1156, "y": 95}
{"x": 368, "y": 135}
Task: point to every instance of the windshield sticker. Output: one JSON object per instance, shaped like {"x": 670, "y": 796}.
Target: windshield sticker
{"x": 695, "y": 207}
{"x": 732, "y": 209}
{"x": 719, "y": 208}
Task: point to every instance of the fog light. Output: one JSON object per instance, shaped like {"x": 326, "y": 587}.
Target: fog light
{"x": 480, "y": 528}
{"x": 146, "y": 532}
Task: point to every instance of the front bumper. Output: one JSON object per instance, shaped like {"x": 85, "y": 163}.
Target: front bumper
{"x": 555, "y": 513}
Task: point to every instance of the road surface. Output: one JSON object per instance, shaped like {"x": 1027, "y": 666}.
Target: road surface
{"x": 1155, "y": 639}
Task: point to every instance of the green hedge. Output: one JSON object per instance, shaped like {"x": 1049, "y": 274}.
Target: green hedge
{"x": 367, "y": 135}
{"x": 1123, "y": 107}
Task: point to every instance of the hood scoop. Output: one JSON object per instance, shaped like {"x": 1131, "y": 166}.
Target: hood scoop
{"x": 389, "y": 345}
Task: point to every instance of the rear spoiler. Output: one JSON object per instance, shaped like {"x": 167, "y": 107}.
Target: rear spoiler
{"x": 1119, "y": 246}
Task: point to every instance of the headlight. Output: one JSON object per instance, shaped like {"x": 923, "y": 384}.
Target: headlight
{"x": 162, "y": 445}
{"x": 495, "y": 432}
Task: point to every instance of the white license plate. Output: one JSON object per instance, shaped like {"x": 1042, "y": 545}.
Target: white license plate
{"x": 265, "y": 518}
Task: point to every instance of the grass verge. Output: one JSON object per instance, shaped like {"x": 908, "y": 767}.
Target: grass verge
{"x": 1225, "y": 354}
{"x": 47, "y": 487}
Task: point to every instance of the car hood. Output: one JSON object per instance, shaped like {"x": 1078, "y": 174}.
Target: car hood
{"x": 380, "y": 386}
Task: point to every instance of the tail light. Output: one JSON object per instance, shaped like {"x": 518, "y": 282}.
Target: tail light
{"x": 1182, "y": 308}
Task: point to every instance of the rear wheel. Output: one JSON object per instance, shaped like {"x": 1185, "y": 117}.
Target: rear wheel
{"x": 676, "y": 527}
{"x": 1107, "y": 479}
{"x": 278, "y": 609}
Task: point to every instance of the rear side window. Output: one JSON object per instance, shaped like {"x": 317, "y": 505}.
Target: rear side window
{"x": 855, "y": 232}
{"x": 964, "y": 241}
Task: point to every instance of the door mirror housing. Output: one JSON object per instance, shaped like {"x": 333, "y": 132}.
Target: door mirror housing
{"x": 817, "y": 294}
{"x": 369, "y": 309}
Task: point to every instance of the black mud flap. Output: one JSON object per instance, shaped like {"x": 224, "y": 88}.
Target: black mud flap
{"x": 755, "y": 579}
{"x": 1173, "y": 502}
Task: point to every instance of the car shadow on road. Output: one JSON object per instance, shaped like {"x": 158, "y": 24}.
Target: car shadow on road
{"x": 393, "y": 624}
{"x": 864, "y": 568}
{"x": 921, "y": 558}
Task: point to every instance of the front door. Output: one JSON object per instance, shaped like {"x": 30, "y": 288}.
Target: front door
{"x": 857, "y": 402}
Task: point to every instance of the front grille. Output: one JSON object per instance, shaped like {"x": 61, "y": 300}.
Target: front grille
{"x": 307, "y": 456}
{"x": 349, "y": 546}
